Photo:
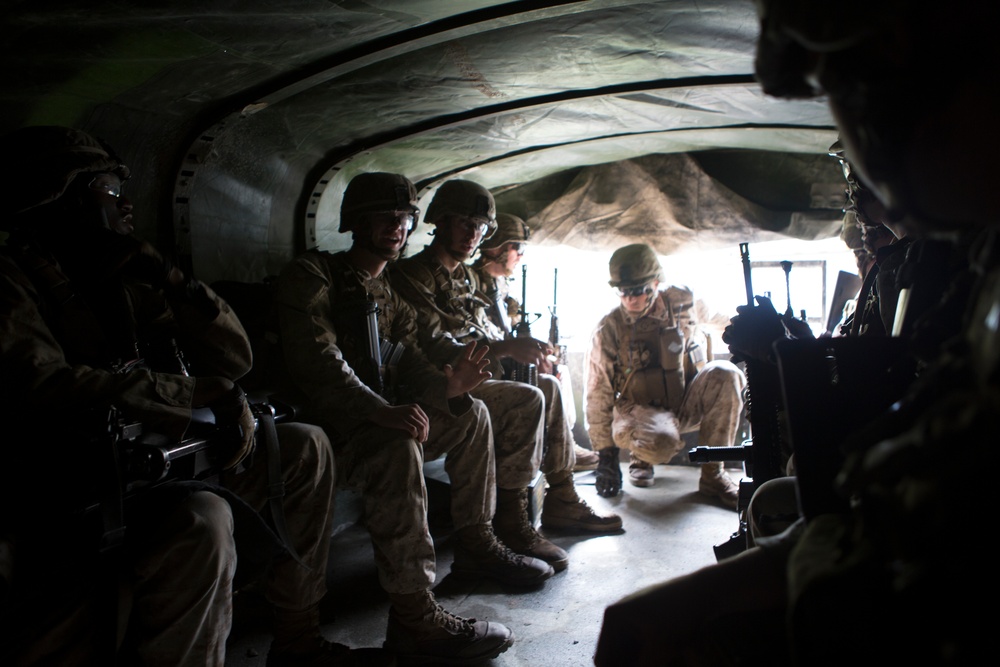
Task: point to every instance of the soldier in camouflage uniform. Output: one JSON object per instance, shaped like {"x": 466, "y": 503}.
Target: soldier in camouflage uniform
{"x": 91, "y": 316}
{"x": 651, "y": 377}
{"x": 337, "y": 313}
{"x": 499, "y": 256}
{"x": 445, "y": 292}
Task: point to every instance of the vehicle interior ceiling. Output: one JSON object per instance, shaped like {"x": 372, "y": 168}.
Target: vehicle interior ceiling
{"x": 601, "y": 123}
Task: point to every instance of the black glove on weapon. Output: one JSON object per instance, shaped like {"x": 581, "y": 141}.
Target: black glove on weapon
{"x": 236, "y": 421}
{"x": 609, "y": 473}
{"x": 752, "y": 333}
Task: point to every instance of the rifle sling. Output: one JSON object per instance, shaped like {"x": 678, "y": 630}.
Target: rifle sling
{"x": 267, "y": 432}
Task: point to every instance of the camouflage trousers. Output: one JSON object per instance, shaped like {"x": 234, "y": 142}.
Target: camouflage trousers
{"x": 517, "y": 412}
{"x": 176, "y": 589}
{"x": 308, "y": 473}
{"x": 712, "y": 405}
{"x": 386, "y": 467}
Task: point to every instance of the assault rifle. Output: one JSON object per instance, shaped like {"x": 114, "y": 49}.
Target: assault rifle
{"x": 527, "y": 373}
{"x": 144, "y": 460}
{"x": 382, "y": 356}
{"x": 554, "y": 324}
{"x": 762, "y": 453}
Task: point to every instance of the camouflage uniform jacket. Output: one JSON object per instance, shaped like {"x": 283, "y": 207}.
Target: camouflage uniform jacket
{"x": 503, "y": 307}
{"x": 448, "y": 304}
{"x": 59, "y": 357}
{"x": 618, "y": 351}
{"x": 318, "y": 300}
{"x": 876, "y": 309}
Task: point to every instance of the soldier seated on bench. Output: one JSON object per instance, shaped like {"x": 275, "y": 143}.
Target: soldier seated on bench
{"x": 91, "y": 317}
{"x": 350, "y": 344}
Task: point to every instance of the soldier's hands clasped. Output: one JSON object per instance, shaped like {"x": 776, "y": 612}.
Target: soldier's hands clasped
{"x": 137, "y": 259}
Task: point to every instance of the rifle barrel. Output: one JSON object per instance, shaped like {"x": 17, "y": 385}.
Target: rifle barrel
{"x": 745, "y": 256}
{"x": 555, "y": 289}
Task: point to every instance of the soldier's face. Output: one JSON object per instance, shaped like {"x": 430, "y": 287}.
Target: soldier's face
{"x": 115, "y": 208}
{"x": 637, "y": 299}
{"x": 464, "y": 235}
{"x": 389, "y": 231}
{"x": 512, "y": 254}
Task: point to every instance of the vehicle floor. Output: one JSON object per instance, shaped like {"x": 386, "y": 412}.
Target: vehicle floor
{"x": 669, "y": 530}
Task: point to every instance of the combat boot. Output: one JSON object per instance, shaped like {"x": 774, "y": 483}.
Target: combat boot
{"x": 716, "y": 483}
{"x": 564, "y": 508}
{"x": 640, "y": 473}
{"x": 585, "y": 459}
{"x": 297, "y": 641}
{"x": 513, "y": 527}
{"x": 421, "y": 630}
{"x": 478, "y": 553}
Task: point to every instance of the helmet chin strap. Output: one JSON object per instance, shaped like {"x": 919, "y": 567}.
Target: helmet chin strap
{"x": 649, "y": 304}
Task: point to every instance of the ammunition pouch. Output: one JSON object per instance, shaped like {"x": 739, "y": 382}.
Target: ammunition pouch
{"x": 660, "y": 385}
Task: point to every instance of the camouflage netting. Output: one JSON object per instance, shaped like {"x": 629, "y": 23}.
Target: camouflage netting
{"x": 690, "y": 200}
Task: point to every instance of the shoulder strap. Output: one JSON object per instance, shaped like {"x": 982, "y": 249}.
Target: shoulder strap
{"x": 268, "y": 434}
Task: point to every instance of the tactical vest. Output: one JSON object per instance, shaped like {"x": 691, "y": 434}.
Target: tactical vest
{"x": 462, "y": 303}
{"x": 658, "y": 360}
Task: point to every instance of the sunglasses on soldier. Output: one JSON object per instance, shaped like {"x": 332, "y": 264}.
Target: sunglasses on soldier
{"x": 109, "y": 184}
{"x": 641, "y": 290}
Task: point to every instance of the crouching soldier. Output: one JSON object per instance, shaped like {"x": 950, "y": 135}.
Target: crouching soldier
{"x": 650, "y": 378}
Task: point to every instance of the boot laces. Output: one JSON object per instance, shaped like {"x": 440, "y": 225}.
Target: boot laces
{"x": 453, "y": 623}
{"x": 500, "y": 550}
{"x": 525, "y": 530}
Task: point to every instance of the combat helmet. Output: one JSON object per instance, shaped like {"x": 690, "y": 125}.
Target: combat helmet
{"x": 634, "y": 265}
{"x": 510, "y": 229}
{"x": 465, "y": 198}
{"x": 376, "y": 191}
{"x": 49, "y": 157}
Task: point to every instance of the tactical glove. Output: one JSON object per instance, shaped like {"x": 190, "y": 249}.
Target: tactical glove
{"x": 609, "y": 473}
{"x": 754, "y": 330}
{"x": 238, "y": 426}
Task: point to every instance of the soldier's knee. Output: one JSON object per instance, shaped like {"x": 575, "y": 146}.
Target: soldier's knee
{"x": 532, "y": 398}
{"x": 478, "y": 411}
{"x": 306, "y": 455}
{"x": 307, "y": 442}
{"x": 550, "y": 386}
{"x": 724, "y": 372}
{"x": 204, "y": 522}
